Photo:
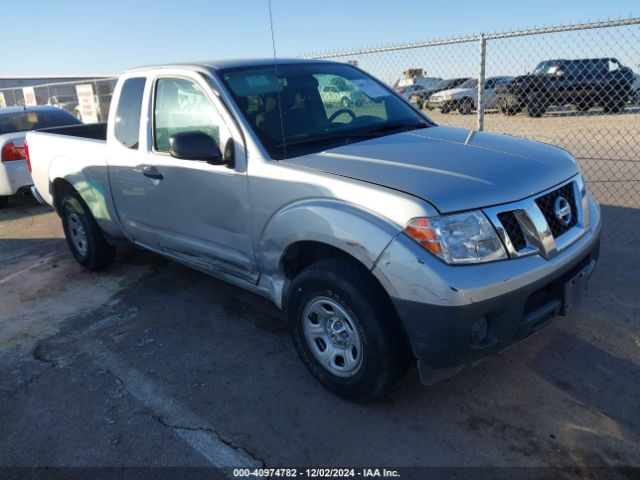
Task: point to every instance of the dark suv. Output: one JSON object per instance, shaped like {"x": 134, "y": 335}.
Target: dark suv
{"x": 585, "y": 83}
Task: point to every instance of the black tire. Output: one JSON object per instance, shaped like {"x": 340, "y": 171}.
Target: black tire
{"x": 466, "y": 106}
{"x": 537, "y": 104}
{"x": 385, "y": 354}
{"x": 445, "y": 109}
{"x": 4, "y": 201}
{"x": 345, "y": 102}
{"x": 94, "y": 252}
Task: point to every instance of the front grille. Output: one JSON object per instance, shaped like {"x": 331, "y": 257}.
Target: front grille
{"x": 547, "y": 207}
{"x": 512, "y": 227}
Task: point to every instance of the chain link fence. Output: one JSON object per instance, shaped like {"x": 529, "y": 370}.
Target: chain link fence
{"x": 65, "y": 95}
{"x": 574, "y": 86}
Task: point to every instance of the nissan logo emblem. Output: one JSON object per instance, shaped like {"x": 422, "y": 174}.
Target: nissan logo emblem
{"x": 562, "y": 210}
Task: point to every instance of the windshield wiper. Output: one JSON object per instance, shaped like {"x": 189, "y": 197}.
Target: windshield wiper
{"x": 370, "y": 132}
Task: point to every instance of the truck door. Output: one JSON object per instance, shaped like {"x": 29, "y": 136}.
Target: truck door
{"x": 132, "y": 191}
{"x": 199, "y": 211}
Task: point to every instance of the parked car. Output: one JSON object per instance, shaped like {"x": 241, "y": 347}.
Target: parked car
{"x": 408, "y": 86}
{"x": 332, "y": 95}
{"x": 421, "y": 98}
{"x": 14, "y": 124}
{"x": 584, "y": 83}
{"x": 384, "y": 237}
{"x": 464, "y": 98}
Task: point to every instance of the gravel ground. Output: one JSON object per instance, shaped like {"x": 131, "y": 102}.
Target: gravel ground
{"x": 151, "y": 364}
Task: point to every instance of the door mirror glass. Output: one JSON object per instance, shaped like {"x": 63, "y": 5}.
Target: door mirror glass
{"x": 195, "y": 146}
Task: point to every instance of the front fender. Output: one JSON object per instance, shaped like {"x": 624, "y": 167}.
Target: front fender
{"x": 358, "y": 232}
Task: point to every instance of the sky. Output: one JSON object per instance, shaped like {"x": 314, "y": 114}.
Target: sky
{"x": 88, "y": 37}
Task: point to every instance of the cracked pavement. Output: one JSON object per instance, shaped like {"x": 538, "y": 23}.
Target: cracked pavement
{"x": 153, "y": 364}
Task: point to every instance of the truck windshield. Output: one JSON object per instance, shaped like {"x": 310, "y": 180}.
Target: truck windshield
{"x": 296, "y": 109}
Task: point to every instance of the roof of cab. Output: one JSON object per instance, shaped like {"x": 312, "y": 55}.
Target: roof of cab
{"x": 223, "y": 64}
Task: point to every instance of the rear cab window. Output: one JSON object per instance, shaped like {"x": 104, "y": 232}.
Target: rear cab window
{"x": 127, "y": 129}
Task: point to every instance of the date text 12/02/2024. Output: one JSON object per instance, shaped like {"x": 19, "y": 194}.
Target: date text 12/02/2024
{"x": 316, "y": 473}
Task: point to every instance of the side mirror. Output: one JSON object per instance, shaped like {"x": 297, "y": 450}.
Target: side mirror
{"x": 195, "y": 146}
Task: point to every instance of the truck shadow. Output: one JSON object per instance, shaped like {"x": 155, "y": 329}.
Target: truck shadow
{"x": 22, "y": 206}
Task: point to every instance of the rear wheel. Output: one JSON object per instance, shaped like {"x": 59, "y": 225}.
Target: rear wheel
{"x": 466, "y": 106}
{"x": 84, "y": 237}
{"x": 344, "y": 331}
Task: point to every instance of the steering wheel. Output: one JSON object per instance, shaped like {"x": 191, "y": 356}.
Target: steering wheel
{"x": 337, "y": 113}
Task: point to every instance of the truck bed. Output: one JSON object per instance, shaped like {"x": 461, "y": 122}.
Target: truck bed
{"x": 95, "y": 131}
{"x": 75, "y": 153}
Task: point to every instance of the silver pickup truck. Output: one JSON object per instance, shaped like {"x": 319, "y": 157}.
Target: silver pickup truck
{"x": 385, "y": 238}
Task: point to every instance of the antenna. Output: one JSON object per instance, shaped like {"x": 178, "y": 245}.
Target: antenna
{"x": 275, "y": 68}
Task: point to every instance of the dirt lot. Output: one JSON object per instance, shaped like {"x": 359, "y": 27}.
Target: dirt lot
{"x": 153, "y": 364}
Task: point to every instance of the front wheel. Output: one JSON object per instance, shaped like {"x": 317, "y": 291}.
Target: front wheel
{"x": 84, "y": 237}
{"x": 344, "y": 330}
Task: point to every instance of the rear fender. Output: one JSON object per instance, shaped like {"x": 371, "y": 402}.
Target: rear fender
{"x": 91, "y": 183}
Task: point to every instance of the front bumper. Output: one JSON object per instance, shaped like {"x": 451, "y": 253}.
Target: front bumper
{"x": 508, "y": 101}
{"x": 439, "y": 304}
{"x": 439, "y": 104}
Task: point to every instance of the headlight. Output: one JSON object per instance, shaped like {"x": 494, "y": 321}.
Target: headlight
{"x": 457, "y": 239}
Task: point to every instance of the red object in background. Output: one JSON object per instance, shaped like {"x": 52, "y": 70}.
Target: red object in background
{"x": 10, "y": 152}
{"x": 26, "y": 155}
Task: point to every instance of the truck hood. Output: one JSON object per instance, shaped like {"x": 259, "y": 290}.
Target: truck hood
{"x": 452, "y": 168}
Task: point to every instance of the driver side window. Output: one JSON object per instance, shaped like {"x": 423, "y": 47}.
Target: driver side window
{"x": 182, "y": 106}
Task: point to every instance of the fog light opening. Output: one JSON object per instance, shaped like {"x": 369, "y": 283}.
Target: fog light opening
{"x": 479, "y": 331}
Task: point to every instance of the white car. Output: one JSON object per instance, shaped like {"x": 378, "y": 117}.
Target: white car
{"x": 331, "y": 94}
{"x": 15, "y": 122}
{"x": 465, "y": 97}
